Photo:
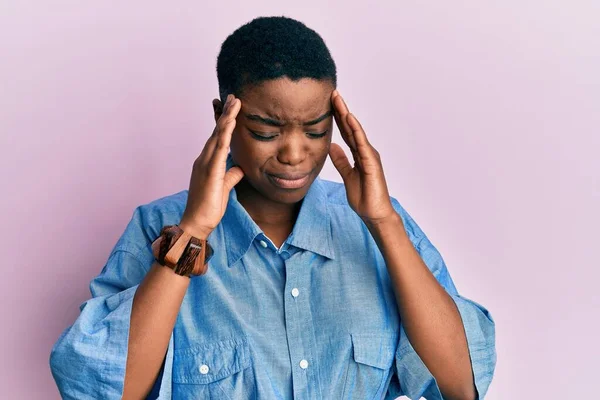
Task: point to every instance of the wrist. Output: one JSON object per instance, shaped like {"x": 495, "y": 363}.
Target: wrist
{"x": 392, "y": 220}
{"x": 388, "y": 227}
{"x": 177, "y": 249}
{"x": 194, "y": 229}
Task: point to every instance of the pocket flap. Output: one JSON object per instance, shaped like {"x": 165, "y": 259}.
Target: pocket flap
{"x": 208, "y": 363}
{"x": 376, "y": 350}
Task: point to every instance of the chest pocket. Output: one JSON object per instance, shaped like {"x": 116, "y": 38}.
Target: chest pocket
{"x": 369, "y": 368}
{"x": 220, "y": 370}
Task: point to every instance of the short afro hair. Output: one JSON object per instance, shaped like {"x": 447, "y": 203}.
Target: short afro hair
{"x": 268, "y": 48}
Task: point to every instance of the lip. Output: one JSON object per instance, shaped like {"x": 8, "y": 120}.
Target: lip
{"x": 289, "y": 181}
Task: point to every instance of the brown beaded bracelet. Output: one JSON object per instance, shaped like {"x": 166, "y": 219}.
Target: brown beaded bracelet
{"x": 185, "y": 254}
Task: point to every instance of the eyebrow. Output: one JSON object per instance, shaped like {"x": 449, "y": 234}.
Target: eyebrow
{"x": 273, "y": 122}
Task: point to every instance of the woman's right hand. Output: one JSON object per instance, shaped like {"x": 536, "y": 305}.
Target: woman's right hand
{"x": 211, "y": 183}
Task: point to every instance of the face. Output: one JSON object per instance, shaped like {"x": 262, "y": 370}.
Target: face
{"x": 282, "y": 136}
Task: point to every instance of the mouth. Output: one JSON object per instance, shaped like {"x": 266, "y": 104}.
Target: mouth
{"x": 289, "y": 181}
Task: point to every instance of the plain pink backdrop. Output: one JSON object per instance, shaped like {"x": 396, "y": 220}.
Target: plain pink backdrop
{"x": 486, "y": 115}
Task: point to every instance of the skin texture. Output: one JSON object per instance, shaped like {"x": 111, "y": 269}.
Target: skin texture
{"x": 429, "y": 315}
{"x": 159, "y": 296}
{"x": 292, "y": 150}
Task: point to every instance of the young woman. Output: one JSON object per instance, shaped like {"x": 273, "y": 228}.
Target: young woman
{"x": 314, "y": 290}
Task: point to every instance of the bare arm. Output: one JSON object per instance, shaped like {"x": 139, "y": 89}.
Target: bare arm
{"x": 155, "y": 307}
{"x": 430, "y": 316}
{"x": 158, "y": 298}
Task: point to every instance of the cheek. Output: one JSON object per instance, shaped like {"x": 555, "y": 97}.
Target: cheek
{"x": 324, "y": 154}
{"x": 239, "y": 149}
{"x": 324, "y": 146}
{"x": 246, "y": 151}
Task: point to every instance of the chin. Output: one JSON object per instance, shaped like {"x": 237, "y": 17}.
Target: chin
{"x": 291, "y": 198}
{"x": 285, "y": 196}
{"x": 281, "y": 195}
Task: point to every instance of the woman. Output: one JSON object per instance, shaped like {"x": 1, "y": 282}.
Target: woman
{"x": 315, "y": 289}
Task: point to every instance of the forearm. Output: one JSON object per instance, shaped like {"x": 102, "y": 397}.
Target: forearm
{"x": 430, "y": 317}
{"x": 155, "y": 307}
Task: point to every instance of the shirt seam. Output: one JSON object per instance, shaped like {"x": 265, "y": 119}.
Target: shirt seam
{"x": 134, "y": 255}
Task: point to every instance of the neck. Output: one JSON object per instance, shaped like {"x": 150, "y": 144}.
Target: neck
{"x": 263, "y": 210}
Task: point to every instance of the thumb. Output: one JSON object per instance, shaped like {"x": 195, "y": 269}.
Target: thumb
{"x": 340, "y": 161}
{"x": 232, "y": 177}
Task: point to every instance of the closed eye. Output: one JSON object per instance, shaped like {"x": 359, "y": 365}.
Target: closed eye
{"x": 270, "y": 136}
{"x": 262, "y": 136}
{"x": 317, "y": 135}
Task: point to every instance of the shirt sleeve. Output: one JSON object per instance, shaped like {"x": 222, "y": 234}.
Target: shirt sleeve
{"x": 412, "y": 377}
{"x": 88, "y": 360}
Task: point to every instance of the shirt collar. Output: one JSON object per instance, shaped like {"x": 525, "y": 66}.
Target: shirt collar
{"x": 311, "y": 231}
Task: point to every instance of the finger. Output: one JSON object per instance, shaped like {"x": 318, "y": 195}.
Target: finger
{"x": 345, "y": 129}
{"x": 340, "y": 122}
{"x": 229, "y": 114}
{"x": 340, "y": 161}
{"x": 232, "y": 177}
{"x": 360, "y": 137}
{"x": 340, "y": 112}
{"x": 209, "y": 147}
{"x": 224, "y": 127}
{"x": 223, "y": 139}
{"x": 344, "y": 111}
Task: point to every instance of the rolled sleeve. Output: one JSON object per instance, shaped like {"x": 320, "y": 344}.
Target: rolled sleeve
{"x": 414, "y": 379}
{"x": 480, "y": 331}
{"x": 88, "y": 360}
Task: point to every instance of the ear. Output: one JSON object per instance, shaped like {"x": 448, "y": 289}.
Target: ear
{"x": 217, "y": 108}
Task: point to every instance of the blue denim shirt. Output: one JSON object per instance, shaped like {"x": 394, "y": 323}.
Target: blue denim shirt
{"x": 313, "y": 319}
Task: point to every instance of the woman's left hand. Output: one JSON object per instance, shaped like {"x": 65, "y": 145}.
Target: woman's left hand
{"x": 366, "y": 188}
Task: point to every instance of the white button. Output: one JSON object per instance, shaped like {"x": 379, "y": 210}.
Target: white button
{"x": 263, "y": 244}
{"x": 295, "y": 292}
{"x": 303, "y": 364}
{"x": 204, "y": 369}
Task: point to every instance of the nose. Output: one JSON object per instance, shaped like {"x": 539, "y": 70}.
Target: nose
{"x": 293, "y": 149}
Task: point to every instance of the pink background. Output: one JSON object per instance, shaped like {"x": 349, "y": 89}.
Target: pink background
{"x": 486, "y": 115}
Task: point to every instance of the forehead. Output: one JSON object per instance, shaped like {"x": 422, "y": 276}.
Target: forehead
{"x": 287, "y": 100}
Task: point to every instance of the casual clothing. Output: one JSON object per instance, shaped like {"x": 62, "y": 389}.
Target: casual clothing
{"x": 313, "y": 319}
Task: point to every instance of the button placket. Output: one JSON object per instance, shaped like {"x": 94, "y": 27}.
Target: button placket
{"x": 298, "y": 322}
